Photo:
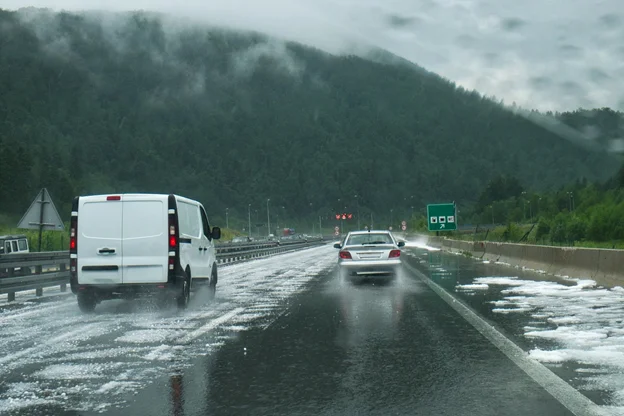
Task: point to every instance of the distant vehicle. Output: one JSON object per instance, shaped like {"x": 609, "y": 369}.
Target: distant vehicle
{"x": 128, "y": 245}
{"x": 14, "y": 244}
{"x": 369, "y": 254}
{"x": 241, "y": 240}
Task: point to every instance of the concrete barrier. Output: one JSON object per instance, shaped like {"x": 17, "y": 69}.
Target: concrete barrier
{"x": 605, "y": 266}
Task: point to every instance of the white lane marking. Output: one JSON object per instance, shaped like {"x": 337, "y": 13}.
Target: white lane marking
{"x": 564, "y": 393}
{"x": 209, "y": 326}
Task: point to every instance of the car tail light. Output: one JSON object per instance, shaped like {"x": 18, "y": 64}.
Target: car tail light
{"x": 113, "y": 198}
{"x": 345, "y": 255}
{"x": 394, "y": 253}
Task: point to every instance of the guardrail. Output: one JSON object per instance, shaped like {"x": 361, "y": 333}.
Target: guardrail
{"x": 19, "y": 272}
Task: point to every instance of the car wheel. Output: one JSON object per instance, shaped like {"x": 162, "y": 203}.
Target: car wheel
{"x": 184, "y": 296}
{"x": 86, "y": 302}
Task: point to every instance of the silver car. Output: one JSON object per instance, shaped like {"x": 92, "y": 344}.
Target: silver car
{"x": 369, "y": 254}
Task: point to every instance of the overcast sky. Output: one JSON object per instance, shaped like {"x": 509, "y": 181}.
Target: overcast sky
{"x": 544, "y": 54}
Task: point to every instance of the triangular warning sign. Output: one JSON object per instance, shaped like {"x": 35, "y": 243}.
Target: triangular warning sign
{"x": 42, "y": 212}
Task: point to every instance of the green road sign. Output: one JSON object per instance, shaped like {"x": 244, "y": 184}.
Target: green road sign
{"x": 441, "y": 217}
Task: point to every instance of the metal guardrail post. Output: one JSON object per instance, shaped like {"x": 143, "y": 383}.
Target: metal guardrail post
{"x": 63, "y": 269}
{"x": 39, "y": 290}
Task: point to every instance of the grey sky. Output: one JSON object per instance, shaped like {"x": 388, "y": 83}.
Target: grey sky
{"x": 545, "y": 54}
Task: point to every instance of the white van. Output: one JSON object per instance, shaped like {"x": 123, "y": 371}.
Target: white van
{"x": 13, "y": 244}
{"x": 124, "y": 246}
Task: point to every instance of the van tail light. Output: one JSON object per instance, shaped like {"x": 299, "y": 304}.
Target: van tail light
{"x": 73, "y": 246}
{"x": 73, "y": 235}
{"x": 173, "y": 241}
{"x": 394, "y": 253}
{"x": 171, "y": 262}
{"x": 345, "y": 255}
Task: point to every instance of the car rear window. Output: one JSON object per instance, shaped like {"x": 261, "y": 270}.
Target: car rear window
{"x": 371, "y": 238}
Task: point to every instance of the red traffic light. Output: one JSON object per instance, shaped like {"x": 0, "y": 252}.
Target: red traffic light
{"x": 337, "y": 216}
{"x": 350, "y": 216}
{"x": 344, "y": 216}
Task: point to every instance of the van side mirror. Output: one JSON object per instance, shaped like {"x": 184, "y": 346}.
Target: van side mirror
{"x": 401, "y": 244}
{"x": 216, "y": 233}
{"x": 337, "y": 245}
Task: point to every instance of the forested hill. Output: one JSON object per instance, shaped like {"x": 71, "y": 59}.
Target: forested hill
{"x": 110, "y": 103}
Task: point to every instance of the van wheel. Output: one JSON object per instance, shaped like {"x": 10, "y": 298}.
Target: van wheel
{"x": 185, "y": 292}
{"x": 86, "y": 302}
{"x": 212, "y": 287}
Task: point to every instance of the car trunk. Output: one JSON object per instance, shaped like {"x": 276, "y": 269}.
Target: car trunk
{"x": 370, "y": 252}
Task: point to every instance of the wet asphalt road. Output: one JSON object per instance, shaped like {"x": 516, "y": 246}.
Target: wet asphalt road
{"x": 353, "y": 350}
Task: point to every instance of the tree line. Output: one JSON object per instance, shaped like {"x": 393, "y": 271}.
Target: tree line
{"x": 129, "y": 103}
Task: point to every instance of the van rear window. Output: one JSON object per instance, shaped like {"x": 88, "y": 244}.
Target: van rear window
{"x": 100, "y": 220}
{"x": 23, "y": 245}
{"x": 143, "y": 219}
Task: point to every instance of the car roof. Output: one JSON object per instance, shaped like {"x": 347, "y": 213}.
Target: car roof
{"x": 370, "y": 232}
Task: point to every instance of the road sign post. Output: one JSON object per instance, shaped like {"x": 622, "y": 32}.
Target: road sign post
{"x": 42, "y": 215}
{"x": 441, "y": 217}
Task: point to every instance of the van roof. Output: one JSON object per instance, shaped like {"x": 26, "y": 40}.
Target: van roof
{"x": 140, "y": 196}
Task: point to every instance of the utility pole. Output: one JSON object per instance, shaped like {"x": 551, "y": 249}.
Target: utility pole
{"x": 357, "y": 200}
{"x": 249, "y": 229}
{"x": 227, "y": 222}
{"x": 268, "y": 219}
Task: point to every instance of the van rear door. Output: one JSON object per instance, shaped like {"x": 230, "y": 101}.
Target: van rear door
{"x": 145, "y": 239}
{"x": 99, "y": 240}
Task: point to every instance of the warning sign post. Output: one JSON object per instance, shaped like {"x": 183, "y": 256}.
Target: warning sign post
{"x": 42, "y": 215}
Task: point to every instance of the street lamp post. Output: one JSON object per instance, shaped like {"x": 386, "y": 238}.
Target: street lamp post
{"x": 391, "y": 217}
{"x": 249, "y": 229}
{"x": 358, "y": 211}
{"x": 227, "y": 223}
{"x": 268, "y": 219}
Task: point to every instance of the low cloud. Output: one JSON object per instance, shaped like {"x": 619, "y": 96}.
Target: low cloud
{"x": 499, "y": 47}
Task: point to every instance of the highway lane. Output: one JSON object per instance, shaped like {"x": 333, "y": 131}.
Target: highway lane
{"x": 55, "y": 360}
{"x": 346, "y": 350}
{"x": 286, "y": 337}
